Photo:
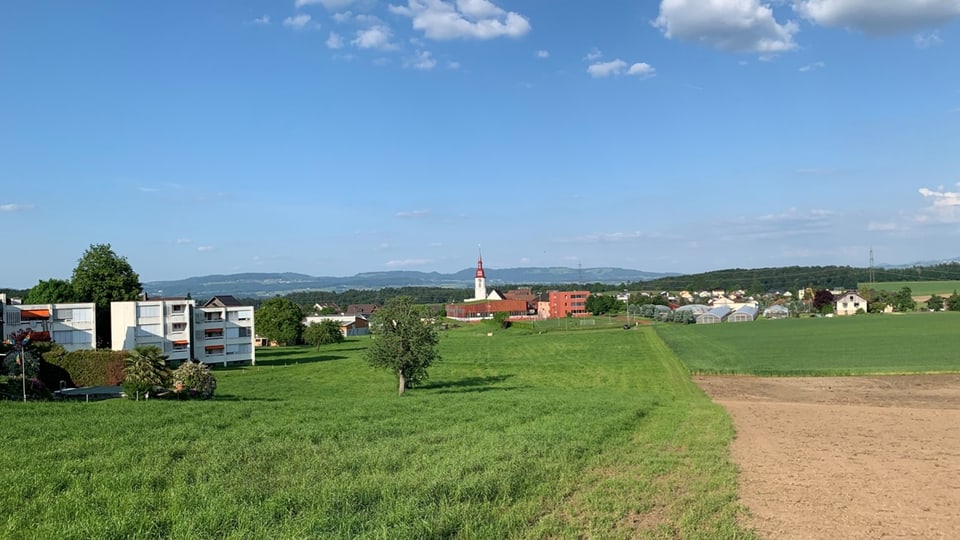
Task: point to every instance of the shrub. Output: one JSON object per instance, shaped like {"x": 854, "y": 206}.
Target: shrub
{"x": 145, "y": 371}
{"x": 82, "y": 368}
{"x": 194, "y": 380}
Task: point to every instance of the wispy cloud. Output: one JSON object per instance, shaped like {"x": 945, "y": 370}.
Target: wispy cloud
{"x": 262, "y": 20}
{"x": 881, "y": 226}
{"x": 812, "y": 67}
{"x": 402, "y": 263}
{"x": 297, "y": 22}
{"x": 422, "y": 60}
{"x": 182, "y": 241}
{"x": 375, "y": 37}
{"x": 542, "y": 53}
{"x": 925, "y": 41}
{"x": 335, "y": 41}
{"x": 612, "y": 237}
{"x": 943, "y": 206}
{"x": 413, "y": 214}
{"x": 146, "y": 189}
{"x": 791, "y": 223}
{"x": 14, "y": 207}
{"x": 205, "y": 248}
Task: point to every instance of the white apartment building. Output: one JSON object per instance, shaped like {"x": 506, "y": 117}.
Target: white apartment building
{"x": 74, "y": 326}
{"x": 220, "y": 331}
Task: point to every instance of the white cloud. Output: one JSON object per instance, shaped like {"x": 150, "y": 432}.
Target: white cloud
{"x": 463, "y": 19}
{"x": 14, "y": 207}
{"x": 730, "y": 25}
{"x": 880, "y": 227}
{"x": 182, "y": 241}
{"x": 423, "y": 60}
{"x": 942, "y": 209}
{"x": 297, "y": 21}
{"x": 262, "y": 20}
{"x": 375, "y": 37}
{"x": 813, "y": 67}
{"x": 879, "y": 17}
{"x": 619, "y": 67}
{"x": 642, "y": 69}
{"x": 205, "y": 248}
{"x": 543, "y": 53}
{"x": 408, "y": 262}
{"x": 925, "y": 41}
{"x": 453, "y": 64}
{"x": 606, "y": 69}
{"x": 334, "y": 41}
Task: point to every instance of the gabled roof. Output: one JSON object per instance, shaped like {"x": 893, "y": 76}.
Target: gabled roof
{"x": 223, "y": 301}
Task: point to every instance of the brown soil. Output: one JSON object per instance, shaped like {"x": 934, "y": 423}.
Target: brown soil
{"x": 846, "y": 457}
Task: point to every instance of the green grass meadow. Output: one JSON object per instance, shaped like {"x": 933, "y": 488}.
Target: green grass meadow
{"x": 917, "y": 288}
{"x": 595, "y": 433}
{"x": 859, "y": 345}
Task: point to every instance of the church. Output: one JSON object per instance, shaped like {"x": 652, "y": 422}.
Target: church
{"x": 484, "y": 304}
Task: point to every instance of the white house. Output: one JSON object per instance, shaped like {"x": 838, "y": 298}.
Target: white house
{"x": 74, "y": 326}
{"x": 220, "y": 331}
{"x": 848, "y": 303}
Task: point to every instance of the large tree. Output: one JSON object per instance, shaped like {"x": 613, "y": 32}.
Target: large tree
{"x": 101, "y": 277}
{"x": 280, "y": 320}
{"x": 403, "y": 342}
{"x": 325, "y": 332}
{"x": 51, "y": 291}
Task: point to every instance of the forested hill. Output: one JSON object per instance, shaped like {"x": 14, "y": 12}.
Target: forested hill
{"x": 793, "y": 278}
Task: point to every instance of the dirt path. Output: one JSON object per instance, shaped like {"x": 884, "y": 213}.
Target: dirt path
{"x": 846, "y": 457}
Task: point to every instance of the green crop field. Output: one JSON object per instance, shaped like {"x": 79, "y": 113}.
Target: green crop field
{"x": 917, "y": 288}
{"x": 594, "y": 433}
{"x": 865, "y": 344}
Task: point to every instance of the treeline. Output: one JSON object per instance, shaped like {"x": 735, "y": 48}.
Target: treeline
{"x": 792, "y": 278}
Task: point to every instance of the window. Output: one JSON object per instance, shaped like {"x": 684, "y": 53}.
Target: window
{"x": 149, "y": 330}
{"x": 241, "y": 315}
{"x": 213, "y": 316}
{"x": 178, "y": 327}
{"x": 148, "y": 311}
{"x": 245, "y": 332}
{"x": 239, "y": 348}
{"x": 213, "y": 333}
{"x": 64, "y": 337}
{"x": 177, "y": 308}
{"x": 64, "y": 314}
{"x": 213, "y": 350}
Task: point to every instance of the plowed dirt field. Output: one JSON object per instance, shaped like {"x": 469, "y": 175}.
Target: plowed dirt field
{"x": 846, "y": 457}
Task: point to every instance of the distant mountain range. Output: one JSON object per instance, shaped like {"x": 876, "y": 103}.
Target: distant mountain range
{"x": 257, "y": 285}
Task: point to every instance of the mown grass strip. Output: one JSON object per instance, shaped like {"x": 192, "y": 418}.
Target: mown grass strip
{"x": 519, "y": 435}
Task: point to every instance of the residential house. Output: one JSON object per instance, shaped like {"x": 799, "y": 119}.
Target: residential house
{"x": 73, "y": 325}
{"x": 220, "y": 331}
{"x": 350, "y": 325}
{"x": 848, "y": 303}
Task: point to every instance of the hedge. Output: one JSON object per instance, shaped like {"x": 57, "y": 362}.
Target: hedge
{"x": 82, "y": 368}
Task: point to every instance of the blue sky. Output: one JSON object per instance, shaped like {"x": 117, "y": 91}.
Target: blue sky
{"x": 332, "y": 137}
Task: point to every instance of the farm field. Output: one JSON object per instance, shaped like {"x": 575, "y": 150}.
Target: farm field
{"x": 596, "y": 433}
{"x": 860, "y": 345}
{"x": 917, "y": 288}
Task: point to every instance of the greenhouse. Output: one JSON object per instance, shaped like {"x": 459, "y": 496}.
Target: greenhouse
{"x": 744, "y": 314}
{"x": 776, "y": 312}
{"x": 715, "y": 315}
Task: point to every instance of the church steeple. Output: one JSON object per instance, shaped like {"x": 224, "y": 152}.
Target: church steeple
{"x": 480, "y": 279}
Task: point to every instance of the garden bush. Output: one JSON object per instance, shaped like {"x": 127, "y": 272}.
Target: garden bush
{"x": 81, "y": 368}
{"x": 194, "y": 380}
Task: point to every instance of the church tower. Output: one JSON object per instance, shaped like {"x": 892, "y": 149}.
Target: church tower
{"x": 480, "y": 280}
